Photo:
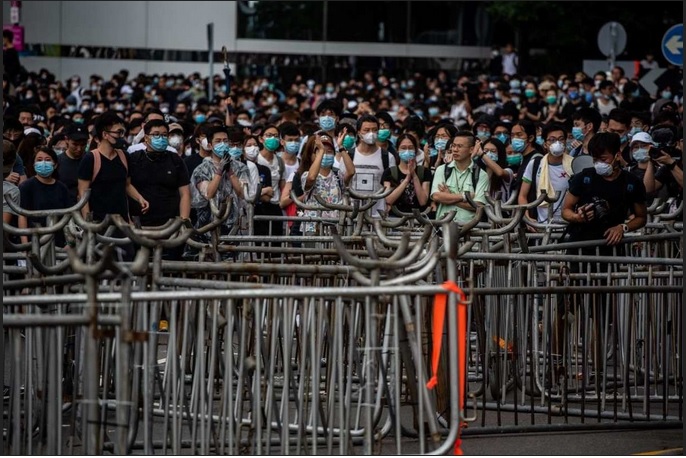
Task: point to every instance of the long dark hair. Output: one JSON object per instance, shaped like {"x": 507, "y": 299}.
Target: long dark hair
{"x": 27, "y": 151}
{"x": 496, "y": 181}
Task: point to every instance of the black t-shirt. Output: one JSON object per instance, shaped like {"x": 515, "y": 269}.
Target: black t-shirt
{"x": 108, "y": 191}
{"x": 158, "y": 180}
{"x": 570, "y": 108}
{"x": 408, "y": 200}
{"x": 10, "y": 60}
{"x": 39, "y": 196}
{"x": 620, "y": 195}
{"x": 192, "y": 162}
{"x": 266, "y": 208}
{"x": 69, "y": 175}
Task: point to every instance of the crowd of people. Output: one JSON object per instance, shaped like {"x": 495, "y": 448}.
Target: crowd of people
{"x": 154, "y": 147}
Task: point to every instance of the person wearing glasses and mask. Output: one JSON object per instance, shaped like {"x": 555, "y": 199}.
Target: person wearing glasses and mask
{"x": 458, "y": 177}
{"x": 107, "y": 175}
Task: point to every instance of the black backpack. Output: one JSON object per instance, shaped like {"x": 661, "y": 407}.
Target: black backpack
{"x": 476, "y": 171}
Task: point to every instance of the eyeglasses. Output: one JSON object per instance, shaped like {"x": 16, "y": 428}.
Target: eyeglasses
{"x": 117, "y": 132}
{"x": 270, "y": 135}
{"x": 158, "y": 136}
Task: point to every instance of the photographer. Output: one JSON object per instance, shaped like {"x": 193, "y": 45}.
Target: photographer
{"x": 599, "y": 198}
{"x": 669, "y": 178}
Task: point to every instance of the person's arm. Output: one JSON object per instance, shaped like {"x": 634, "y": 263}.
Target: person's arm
{"x": 522, "y": 197}
{"x": 672, "y": 165}
{"x": 133, "y": 193}
{"x": 615, "y": 234}
{"x": 23, "y": 223}
{"x": 581, "y": 215}
{"x": 349, "y": 168}
{"x": 83, "y": 186}
{"x": 482, "y": 185}
{"x": 185, "y": 202}
{"x": 285, "y": 199}
{"x": 313, "y": 173}
{"x": 649, "y": 178}
{"x": 237, "y": 185}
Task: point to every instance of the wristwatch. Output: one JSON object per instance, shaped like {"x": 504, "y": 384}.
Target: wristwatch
{"x": 625, "y": 228}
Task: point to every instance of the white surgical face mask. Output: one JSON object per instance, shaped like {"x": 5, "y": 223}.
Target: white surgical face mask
{"x": 369, "y": 138}
{"x": 204, "y": 144}
{"x": 251, "y": 152}
{"x": 175, "y": 141}
{"x": 557, "y": 149}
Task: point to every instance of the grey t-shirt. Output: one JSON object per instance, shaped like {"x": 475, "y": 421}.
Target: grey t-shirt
{"x": 13, "y": 191}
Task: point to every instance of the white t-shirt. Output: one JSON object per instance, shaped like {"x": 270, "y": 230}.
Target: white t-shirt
{"x": 368, "y": 172}
{"x": 289, "y": 170}
{"x": 560, "y": 182}
{"x": 276, "y": 176}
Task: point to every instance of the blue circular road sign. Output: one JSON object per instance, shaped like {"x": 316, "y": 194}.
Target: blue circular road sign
{"x": 673, "y": 45}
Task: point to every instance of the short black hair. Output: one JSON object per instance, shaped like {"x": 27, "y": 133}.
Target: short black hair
{"x": 462, "y": 134}
{"x": 154, "y": 123}
{"x": 288, "y": 128}
{"x": 553, "y": 127}
{"x": 642, "y": 116}
{"x": 415, "y": 124}
{"x": 588, "y": 115}
{"x": 366, "y": 118}
{"x": 621, "y": 116}
{"x": 603, "y": 142}
{"x": 329, "y": 104}
{"x": 8, "y": 34}
{"x": 605, "y": 84}
{"x": 236, "y": 134}
{"x": 214, "y": 130}
{"x": 388, "y": 119}
{"x": 105, "y": 121}
{"x": 528, "y": 126}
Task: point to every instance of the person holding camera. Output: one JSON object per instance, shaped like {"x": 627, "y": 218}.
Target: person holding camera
{"x": 669, "y": 177}
{"x": 600, "y": 198}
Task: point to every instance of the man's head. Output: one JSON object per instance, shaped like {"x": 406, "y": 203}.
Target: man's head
{"x": 585, "y": 122}
{"x": 328, "y": 112}
{"x": 619, "y": 122}
{"x": 290, "y": 137}
{"x": 26, "y": 116}
{"x": 460, "y": 147}
{"x": 110, "y": 127}
{"x": 555, "y": 139}
{"x": 7, "y": 38}
{"x": 77, "y": 139}
{"x": 368, "y": 128}
{"x": 156, "y": 136}
{"x": 605, "y": 147}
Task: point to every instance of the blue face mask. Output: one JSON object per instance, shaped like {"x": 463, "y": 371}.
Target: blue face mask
{"x": 327, "y": 161}
{"x": 221, "y": 149}
{"x": 589, "y": 97}
{"x": 503, "y": 137}
{"x": 235, "y": 152}
{"x": 539, "y": 140}
{"x": 433, "y": 152}
{"x": 407, "y": 155}
{"x": 623, "y": 139}
{"x": 483, "y": 135}
{"x": 440, "y": 143}
{"x": 634, "y": 131}
{"x": 44, "y": 168}
{"x": 159, "y": 144}
{"x": 573, "y": 95}
{"x": 569, "y": 145}
{"x": 492, "y": 156}
{"x": 200, "y": 118}
{"x": 394, "y": 139}
{"x": 327, "y": 122}
{"x": 666, "y": 94}
{"x": 433, "y": 111}
{"x": 292, "y": 147}
{"x": 640, "y": 155}
{"x": 578, "y": 133}
{"x": 518, "y": 145}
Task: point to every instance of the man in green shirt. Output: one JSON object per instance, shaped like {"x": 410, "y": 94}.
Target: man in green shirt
{"x": 458, "y": 177}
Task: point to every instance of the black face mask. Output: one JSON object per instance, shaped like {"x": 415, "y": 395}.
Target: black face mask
{"x": 121, "y": 144}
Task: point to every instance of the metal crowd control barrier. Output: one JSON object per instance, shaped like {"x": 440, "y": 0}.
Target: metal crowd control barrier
{"x": 327, "y": 343}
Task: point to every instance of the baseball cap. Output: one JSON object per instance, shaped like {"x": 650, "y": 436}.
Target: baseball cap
{"x": 175, "y": 126}
{"x": 76, "y": 132}
{"x": 643, "y": 137}
{"x": 326, "y": 139}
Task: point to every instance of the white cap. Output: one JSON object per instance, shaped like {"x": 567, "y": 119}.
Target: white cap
{"x": 31, "y": 130}
{"x": 643, "y": 137}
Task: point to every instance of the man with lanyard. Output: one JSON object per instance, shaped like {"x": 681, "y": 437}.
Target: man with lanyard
{"x": 585, "y": 124}
{"x": 459, "y": 177}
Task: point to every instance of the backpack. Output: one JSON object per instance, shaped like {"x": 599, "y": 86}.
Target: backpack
{"x": 97, "y": 162}
{"x": 385, "y": 160}
{"x": 282, "y": 168}
{"x": 476, "y": 171}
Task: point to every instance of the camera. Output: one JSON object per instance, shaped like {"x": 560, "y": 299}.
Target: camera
{"x": 600, "y": 208}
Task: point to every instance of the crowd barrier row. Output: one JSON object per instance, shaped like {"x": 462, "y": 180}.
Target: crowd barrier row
{"x": 394, "y": 335}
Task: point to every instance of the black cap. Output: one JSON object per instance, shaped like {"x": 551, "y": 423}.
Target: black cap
{"x": 76, "y": 132}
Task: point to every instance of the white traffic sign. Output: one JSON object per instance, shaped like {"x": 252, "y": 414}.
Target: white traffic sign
{"x": 648, "y": 80}
{"x": 673, "y": 45}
